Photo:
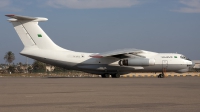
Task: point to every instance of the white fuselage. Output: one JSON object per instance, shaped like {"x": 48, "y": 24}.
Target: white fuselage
{"x": 82, "y": 61}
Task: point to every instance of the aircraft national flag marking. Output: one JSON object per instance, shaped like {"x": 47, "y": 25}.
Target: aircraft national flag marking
{"x": 39, "y": 35}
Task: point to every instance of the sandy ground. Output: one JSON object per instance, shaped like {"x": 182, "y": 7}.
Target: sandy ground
{"x": 167, "y": 74}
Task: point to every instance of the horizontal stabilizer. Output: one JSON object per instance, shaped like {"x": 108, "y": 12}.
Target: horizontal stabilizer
{"x": 18, "y": 17}
{"x": 21, "y": 17}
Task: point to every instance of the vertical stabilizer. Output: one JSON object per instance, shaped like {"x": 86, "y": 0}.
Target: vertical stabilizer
{"x": 31, "y": 33}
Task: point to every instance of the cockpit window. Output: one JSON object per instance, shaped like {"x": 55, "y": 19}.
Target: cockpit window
{"x": 183, "y": 57}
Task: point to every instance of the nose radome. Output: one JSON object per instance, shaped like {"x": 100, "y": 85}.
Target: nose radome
{"x": 188, "y": 62}
{"x": 193, "y": 64}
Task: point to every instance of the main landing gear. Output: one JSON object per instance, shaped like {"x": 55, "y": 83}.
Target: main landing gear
{"x": 105, "y": 76}
{"x": 112, "y": 75}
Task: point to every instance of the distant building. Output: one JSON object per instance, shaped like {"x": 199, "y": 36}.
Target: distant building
{"x": 50, "y": 68}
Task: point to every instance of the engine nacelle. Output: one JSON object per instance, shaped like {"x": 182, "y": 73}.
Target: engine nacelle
{"x": 137, "y": 62}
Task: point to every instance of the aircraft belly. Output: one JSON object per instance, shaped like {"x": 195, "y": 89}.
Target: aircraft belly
{"x": 53, "y": 62}
{"x": 99, "y": 67}
{"x": 159, "y": 68}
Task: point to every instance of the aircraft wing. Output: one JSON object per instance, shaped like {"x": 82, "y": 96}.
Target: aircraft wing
{"x": 121, "y": 53}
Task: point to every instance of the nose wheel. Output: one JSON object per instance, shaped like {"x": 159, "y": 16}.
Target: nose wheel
{"x": 162, "y": 75}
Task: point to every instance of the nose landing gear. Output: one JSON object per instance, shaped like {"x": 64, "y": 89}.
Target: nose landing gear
{"x": 162, "y": 75}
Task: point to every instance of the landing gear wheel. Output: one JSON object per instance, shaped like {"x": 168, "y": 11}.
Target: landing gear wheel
{"x": 105, "y": 76}
{"x": 115, "y": 76}
{"x": 161, "y": 76}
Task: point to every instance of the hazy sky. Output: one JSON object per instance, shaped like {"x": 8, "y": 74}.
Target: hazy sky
{"x": 102, "y": 25}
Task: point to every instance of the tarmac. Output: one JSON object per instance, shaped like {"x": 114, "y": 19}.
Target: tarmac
{"x": 171, "y": 94}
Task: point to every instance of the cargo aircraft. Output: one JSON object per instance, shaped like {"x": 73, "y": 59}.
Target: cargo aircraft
{"x": 38, "y": 46}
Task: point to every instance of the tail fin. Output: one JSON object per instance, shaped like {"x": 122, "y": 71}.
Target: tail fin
{"x": 30, "y": 32}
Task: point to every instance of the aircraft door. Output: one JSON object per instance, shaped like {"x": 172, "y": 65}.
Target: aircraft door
{"x": 164, "y": 64}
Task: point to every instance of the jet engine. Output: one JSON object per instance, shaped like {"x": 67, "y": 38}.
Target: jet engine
{"x": 137, "y": 62}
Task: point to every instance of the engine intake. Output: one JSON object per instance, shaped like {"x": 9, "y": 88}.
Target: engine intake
{"x": 137, "y": 62}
